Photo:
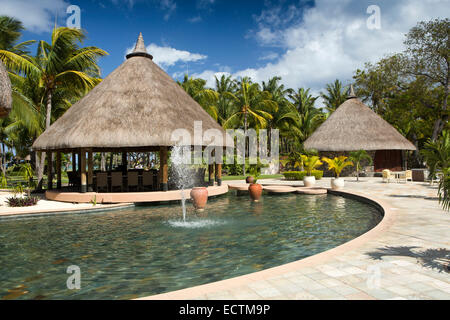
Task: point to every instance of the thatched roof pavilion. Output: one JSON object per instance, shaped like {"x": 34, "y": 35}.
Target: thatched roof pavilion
{"x": 354, "y": 126}
{"x": 137, "y": 105}
{"x": 135, "y": 108}
{"x": 5, "y": 92}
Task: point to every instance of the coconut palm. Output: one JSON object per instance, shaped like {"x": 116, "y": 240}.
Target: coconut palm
{"x": 10, "y": 32}
{"x": 303, "y": 116}
{"x": 335, "y": 96}
{"x": 225, "y": 106}
{"x": 437, "y": 157}
{"x": 205, "y": 97}
{"x": 253, "y": 107}
{"x": 60, "y": 66}
{"x": 356, "y": 157}
{"x": 337, "y": 164}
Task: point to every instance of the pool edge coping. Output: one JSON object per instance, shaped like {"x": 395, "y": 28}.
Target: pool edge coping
{"x": 221, "y": 285}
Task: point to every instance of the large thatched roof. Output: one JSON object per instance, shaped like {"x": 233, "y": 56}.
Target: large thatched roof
{"x": 5, "y": 92}
{"x": 137, "y": 105}
{"x": 354, "y": 126}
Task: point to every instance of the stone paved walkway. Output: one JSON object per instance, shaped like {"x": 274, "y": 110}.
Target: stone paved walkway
{"x": 406, "y": 259}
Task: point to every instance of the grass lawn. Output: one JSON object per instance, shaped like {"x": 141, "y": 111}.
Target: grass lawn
{"x": 263, "y": 176}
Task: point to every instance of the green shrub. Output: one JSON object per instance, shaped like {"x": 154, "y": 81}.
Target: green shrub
{"x": 22, "y": 201}
{"x": 299, "y": 175}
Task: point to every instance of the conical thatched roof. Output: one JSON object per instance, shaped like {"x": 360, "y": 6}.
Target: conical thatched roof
{"x": 5, "y": 92}
{"x": 137, "y": 105}
{"x": 354, "y": 126}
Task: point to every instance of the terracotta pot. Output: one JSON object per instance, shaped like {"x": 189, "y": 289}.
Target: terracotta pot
{"x": 309, "y": 181}
{"x": 337, "y": 183}
{"x": 249, "y": 179}
{"x": 255, "y": 191}
{"x": 199, "y": 196}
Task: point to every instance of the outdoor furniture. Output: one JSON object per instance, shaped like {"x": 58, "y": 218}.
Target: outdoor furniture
{"x": 439, "y": 176}
{"x": 116, "y": 181}
{"x": 387, "y": 175}
{"x": 102, "y": 181}
{"x": 419, "y": 174}
{"x": 147, "y": 180}
{"x": 133, "y": 180}
{"x": 73, "y": 178}
{"x": 405, "y": 175}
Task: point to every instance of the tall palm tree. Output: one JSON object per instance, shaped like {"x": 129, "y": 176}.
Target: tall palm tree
{"x": 253, "y": 107}
{"x": 225, "y": 106}
{"x": 335, "y": 96}
{"x": 61, "y": 66}
{"x": 10, "y": 32}
{"x": 305, "y": 116}
{"x": 205, "y": 97}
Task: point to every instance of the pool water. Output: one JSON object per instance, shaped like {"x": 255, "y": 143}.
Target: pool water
{"x": 147, "y": 250}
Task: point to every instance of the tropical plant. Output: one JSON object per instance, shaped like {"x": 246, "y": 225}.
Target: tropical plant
{"x": 335, "y": 95}
{"x": 337, "y": 164}
{"x": 357, "y": 157}
{"x": 310, "y": 163}
{"x": 61, "y": 67}
{"x": 207, "y": 98}
{"x": 254, "y": 107}
{"x": 28, "y": 174}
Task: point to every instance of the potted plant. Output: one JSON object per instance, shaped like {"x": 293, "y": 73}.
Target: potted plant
{"x": 337, "y": 165}
{"x": 255, "y": 189}
{"x": 356, "y": 157}
{"x": 309, "y": 164}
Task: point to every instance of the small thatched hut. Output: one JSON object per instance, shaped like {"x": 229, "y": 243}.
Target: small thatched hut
{"x": 354, "y": 126}
{"x": 5, "y": 92}
{"x": 134, "y": 109}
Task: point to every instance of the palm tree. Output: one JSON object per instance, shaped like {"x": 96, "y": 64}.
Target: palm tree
{"x": 356, "y": 157}
{"x": 437, "y": 157}
{"x": 225, "y": 106}
{"x": 337, "y": 164}
{"x": 60, "y": 67}
{"x": 10, "y": 32}
{"x": 303, "y": 116}
{"x": 205, "y": 97}
{"x": 253, "y": 107}
{"x": 335, "y": 96}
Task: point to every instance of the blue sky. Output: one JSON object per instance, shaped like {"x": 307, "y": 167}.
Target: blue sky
{"x": 307, "y": 43}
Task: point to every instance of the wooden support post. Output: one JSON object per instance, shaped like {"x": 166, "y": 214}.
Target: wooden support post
{"x": 82, "y": 158}
{"x": 211, "y": 174}
{"x": 163, "y": 168}
{"x": 218, "y": 170}
{"x": 124, "y": 161}
{"x": 58, "y": 170}
{"x": 49, "y": 170}
{"x": 90, "y": 173}
{"x": 74, "y": 162}
{"x": 79, "y": 161}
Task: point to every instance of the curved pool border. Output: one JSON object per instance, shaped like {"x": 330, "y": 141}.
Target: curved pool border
{"x": 381, "y": 227}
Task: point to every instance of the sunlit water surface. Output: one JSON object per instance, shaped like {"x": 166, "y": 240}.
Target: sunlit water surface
{"x": 147, "y": 250}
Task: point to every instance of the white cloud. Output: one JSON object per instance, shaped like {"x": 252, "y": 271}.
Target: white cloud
{"x": 36, "y": 16}
{"x": 169, "y": 7}
{"x": 331, "y": 40}
{"x": 167, "y": 56}
{"x": 195, "y": 19}
{"x": 209, "y": 76}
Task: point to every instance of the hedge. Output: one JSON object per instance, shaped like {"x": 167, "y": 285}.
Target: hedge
{"x": 299, "y": 175}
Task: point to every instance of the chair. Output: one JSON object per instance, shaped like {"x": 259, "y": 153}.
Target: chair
{"x": 133, "y": 180}
{"x": 405, "y": 176}
{"x": 147, "y": 180}
{"x": 387, "y": 175}
{"x": 116, "y": 181}
{"x": 102, "y": 181}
